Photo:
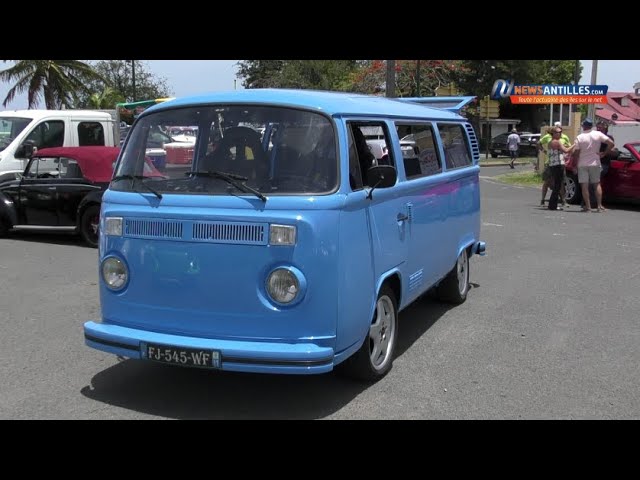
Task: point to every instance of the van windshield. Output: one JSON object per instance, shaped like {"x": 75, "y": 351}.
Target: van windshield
{"x": 10, "y": 128}
{"x": 272, "y": 150}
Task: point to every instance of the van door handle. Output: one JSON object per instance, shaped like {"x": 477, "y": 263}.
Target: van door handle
{"x": 402, "y": 217}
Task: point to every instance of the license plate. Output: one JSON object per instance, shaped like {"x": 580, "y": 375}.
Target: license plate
{"x": 187, "y": 357}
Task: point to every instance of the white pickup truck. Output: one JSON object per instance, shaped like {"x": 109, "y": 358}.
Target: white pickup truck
{"x": 50, "y": 128}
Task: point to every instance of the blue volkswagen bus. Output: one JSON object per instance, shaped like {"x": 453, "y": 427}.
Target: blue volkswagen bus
{"x": 303, "y": 223}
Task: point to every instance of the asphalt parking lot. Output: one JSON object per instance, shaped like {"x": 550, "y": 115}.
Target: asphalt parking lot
{"x": 549, "y": 331}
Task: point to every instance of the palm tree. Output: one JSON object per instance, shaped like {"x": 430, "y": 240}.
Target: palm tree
{"x": 105, "y": 99}
{"x": 57, "y": 81}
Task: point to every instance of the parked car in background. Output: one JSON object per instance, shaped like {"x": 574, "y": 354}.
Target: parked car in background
{"x": 60, "y": 190}
{"x": 621, "y": 183}
{"x": 528, "y": 144}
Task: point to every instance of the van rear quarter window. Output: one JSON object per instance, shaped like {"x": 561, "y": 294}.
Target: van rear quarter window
{"x": 455, "y": 145}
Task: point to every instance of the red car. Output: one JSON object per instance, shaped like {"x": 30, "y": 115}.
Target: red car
{"x": 621, "y": 183}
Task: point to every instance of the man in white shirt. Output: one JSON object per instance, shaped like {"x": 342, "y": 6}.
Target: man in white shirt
{"x": 513, "y": 142}
{"x": 587, "y": 144}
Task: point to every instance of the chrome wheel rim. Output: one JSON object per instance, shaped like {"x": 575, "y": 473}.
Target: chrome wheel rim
{"x": 94, "y": 223}
{"x": 569, "y": 189}
{"x": 382, "y": 333}
{"x": 462, "y": 267}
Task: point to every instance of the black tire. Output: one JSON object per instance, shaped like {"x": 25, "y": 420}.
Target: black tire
{"x": 4, "y": 228}
{"x": 89, "y": 225}
{"x": 374, "y": 359}
{"x": 572, "y": 192}
{"x": 494, "y": 155}
{"x": 454, "y": 287}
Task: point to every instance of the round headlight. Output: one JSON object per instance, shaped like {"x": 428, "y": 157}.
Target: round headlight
{"x": 283, "y": 286}
{"x": 114, "y": 273}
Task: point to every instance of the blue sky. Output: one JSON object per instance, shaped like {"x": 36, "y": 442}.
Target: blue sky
{"x": 187, "y": 77}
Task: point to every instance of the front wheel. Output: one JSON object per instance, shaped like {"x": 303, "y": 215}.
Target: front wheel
{"x": 4, "y": 228}
{"x": 89, "y": 224}
{"x": 455, "y": 286}
{"x": 375, "y": 357}
{"x": 572, "y": 192}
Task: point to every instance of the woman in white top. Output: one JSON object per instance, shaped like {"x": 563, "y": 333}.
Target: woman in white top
{"x": 556, "y": 151}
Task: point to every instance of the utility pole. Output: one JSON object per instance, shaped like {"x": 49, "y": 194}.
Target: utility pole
{"x": 594, "y": 78}
{"x": 391, "y": 79}
{"x": 133, "y": 78}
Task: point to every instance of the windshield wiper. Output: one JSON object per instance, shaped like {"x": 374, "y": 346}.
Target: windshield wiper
{"x": 232, "y": 179}
{"x": 138, "y": 177}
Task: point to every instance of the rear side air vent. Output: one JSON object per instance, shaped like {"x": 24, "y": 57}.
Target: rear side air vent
{"x": 475, "y": 148}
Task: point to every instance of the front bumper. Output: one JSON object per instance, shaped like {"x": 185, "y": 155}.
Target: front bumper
{"x": 239, "y": 356}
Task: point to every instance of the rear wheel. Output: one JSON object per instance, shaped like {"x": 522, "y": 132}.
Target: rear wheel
{"x": 455, "y": 286}
{"x": 375, "y": 357}
{"x": 89, "y": 224}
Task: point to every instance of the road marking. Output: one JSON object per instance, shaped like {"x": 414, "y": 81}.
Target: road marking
{"x": 559, "y": 234}
{"x": 627, "y": 245}
{"x": 492, "y": 224}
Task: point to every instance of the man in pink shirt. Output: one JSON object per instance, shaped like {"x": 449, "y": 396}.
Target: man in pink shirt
{"x": 587, "y": 145}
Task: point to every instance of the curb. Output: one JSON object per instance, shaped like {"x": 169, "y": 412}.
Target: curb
{"x": 495, "y": 164}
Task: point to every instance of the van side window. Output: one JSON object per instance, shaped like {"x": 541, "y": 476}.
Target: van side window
{"x": 456, "y": 146}
{"x": 419, "y": 152}
{"x": 371, "y": 143}
{"x": 90, "y": 133}
{"x": 48, "y": 134}
{"x": 355, "y": 176}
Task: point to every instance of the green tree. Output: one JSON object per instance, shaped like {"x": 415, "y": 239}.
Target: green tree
{"x": 316, "y": 74}
{"x": 57, "y": 82}
{"x": 413, "y": 79}
{"x": 303, "y": 74}
{"x": 259, "y": 73}
{"x": 118, "y": 76}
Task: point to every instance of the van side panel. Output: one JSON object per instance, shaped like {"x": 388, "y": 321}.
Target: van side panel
{"x": 355, "y": 280}
{"x": 463, "y": 213}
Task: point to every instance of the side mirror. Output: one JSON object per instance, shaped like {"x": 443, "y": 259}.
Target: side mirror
{"x": 382, "y": 176}
{"x": 25, "y": 150}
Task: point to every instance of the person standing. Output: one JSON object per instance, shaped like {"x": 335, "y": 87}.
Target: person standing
{"x": 513, "y": 143}
{"x": 556, "y": 152}
{"x": 546, "y": 174}
{"x": 605, "y": 161}
{"x": 587, "y": 145}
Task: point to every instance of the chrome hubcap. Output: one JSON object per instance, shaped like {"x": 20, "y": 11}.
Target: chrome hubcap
{"x": 382, "y": 333}
{"x": 569, "y": 188}
{"x": 94, "y": 223}
{"x": 463, "y": 272}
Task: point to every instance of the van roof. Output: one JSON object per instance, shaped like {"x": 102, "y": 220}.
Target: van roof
{"x": 38, "y": 114}
{"x": 330, "y": 103}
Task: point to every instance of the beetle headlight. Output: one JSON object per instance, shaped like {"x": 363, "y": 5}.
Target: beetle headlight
{"x": 283, "y": 286}
{"x": 114, "y": 273}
